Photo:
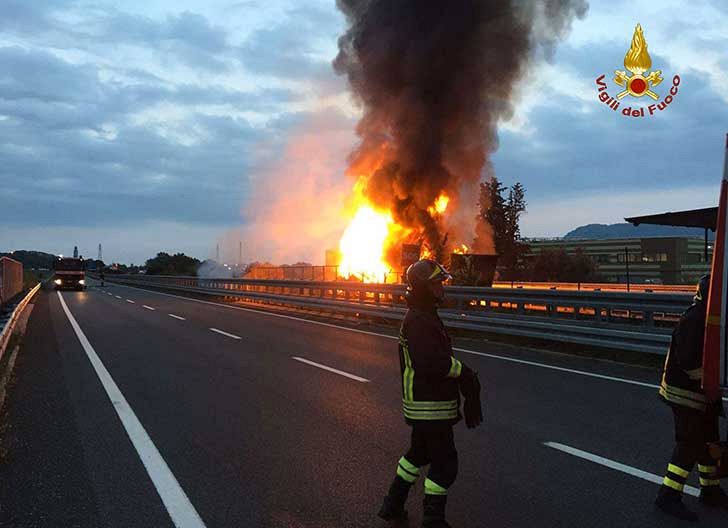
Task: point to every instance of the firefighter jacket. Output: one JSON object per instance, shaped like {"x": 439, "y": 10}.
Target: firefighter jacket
{"x": 429, "y": 369}
{"x": 683, "y": 373}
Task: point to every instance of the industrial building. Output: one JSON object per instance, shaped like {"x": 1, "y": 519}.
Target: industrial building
{"x": 663, "y": 260}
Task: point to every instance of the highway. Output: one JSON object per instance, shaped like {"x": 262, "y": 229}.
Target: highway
{"x": 133, "y": 408}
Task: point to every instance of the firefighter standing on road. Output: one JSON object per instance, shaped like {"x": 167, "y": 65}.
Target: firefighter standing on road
{"x": 696, "y": 420}
{"x": 431, "y": 381}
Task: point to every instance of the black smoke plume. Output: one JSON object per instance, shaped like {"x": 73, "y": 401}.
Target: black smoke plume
{"x": 434, "y": 78}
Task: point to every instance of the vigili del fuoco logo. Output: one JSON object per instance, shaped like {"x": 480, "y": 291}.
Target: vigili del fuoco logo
{"x": 637, "y": 82}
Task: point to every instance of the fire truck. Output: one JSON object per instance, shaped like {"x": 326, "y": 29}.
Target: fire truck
{"x": 69, "y": 274}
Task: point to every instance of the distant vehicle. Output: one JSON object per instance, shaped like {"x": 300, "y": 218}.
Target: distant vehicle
{"x": 69, "y": 274}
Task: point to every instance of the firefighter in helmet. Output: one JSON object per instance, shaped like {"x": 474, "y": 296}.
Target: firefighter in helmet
{"x": 696, "y": 420}
{"x": 432, "y": 379}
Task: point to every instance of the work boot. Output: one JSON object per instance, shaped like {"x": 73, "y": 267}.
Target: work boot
{"x": 670, "y": 502}
{"x": 433, "y": 512}
{"x": 714, "y": 496}
{"x": 393, "y": 506}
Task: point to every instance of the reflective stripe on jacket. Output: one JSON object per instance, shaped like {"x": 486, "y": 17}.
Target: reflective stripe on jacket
{"x": 683, "y": 373}
{"x": 429, "y": 369}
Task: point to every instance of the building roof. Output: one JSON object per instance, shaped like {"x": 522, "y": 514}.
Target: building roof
{"x": 705, "y": 218}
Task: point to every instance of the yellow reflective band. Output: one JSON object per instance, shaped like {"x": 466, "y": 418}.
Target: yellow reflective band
{"x": 709, "y": 482}
{"x": 707, "y": 469}
{"x": 684, "y": 393}
{"x": 431, "y": 415}
{"x": 405, "y": 475}
{"x": 455, "y": 368}
{"x": 680, "y": 472}
{"x": 409, "y": 466}
{"x": 695, "y": 374}
{"x": 434, "y": 273}
{"x": 409, "y": 373}
{"x": 432, "y": 488}
{"x": 713, "y": 320}
{"x": 430, "y": 405}
{"x": 667, "y": 481}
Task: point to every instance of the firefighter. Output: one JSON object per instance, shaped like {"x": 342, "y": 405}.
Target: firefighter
{"x": 696, "y": 419}
{"x": 432, "y": 379}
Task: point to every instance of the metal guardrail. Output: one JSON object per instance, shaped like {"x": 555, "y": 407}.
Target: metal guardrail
{"x": 638, "y": 322}
{"x": 10, "y": 324}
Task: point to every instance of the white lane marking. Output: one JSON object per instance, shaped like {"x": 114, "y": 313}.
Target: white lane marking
{"x": 130, "y": 301}
{"x": 561, "y": 369}
{"x": 225, "y": 333}
{"x": 464, "y": 350}
{"x": 117, "y": 296}
{"x": 177, "y": 317}
{"x": 178, "y": 505}
{"x": 331, "y": 369}
{"x": 148, "y": 307}
{"x": 650, "y": 477}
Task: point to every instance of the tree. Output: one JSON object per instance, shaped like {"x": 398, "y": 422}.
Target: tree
{"x": 500, "y": 230}
{"x": 177, "y": 264}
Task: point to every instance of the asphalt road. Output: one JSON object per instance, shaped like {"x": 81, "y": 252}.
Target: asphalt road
{"x": 158, "y": 411}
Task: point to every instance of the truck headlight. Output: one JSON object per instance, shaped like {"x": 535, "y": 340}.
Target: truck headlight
{"x": 82, "y": 282}
{"x": 57, "y": 281}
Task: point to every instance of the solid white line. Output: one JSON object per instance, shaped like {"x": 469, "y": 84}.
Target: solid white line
{"x": 464, "y": 350}
{"x": 148, "y": 307}
{"x": 561, "y": 369}
{"x": 330, "y": 369}
{"x": 130, "y": 301}
{"x": 178, "y": 505}
{"x": 177, "y": 317}
{"x": 651, "y": 477}
{"x": 225, "y": 333}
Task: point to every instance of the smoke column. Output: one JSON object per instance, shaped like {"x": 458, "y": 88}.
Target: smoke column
{"x": 433, "y": 79}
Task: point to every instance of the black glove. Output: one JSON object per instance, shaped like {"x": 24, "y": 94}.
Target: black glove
{"x": 470, "y": 388}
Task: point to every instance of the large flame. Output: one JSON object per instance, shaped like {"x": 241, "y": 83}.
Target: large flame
{"x": 371, "y": 233}
{"x": 362, "y": 245}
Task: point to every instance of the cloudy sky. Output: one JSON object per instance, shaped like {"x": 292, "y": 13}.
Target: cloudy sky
{"x": 166, "y": 125}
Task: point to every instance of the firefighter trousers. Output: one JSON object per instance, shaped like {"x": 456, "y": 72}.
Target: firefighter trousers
{"x": 693, "y": 431}
{"x": 433, "y": 444}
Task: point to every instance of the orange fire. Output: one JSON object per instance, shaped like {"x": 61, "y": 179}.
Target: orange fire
{"x": 371, "y": 232}
{"x": 440, "y": 205}
{"x": 462, "y": 250}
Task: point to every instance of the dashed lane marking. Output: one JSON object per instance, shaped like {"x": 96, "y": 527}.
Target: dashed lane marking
{"x": 130, "y": 301}
{"x": 117, "y": 296}
{"x": 148, "y": 307}
{"x": 175, "y": 500}
{"x": 629, "y": 470}
{"x": 386, "y": 336}
{"x": 177, "y": 317}
{"x": 232, "y": 336}
{"x": 331, "y": 369}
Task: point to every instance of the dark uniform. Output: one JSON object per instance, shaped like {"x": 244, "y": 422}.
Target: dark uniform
{"x": 696, "y": 420}
{"x": 431, "y": 378}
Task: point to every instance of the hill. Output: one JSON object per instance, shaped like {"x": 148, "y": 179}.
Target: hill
{"x": 625, "y": 230}
{"x": 31, "y": 259}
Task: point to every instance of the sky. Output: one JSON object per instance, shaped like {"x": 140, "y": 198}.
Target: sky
{"x": 180, "y": 126}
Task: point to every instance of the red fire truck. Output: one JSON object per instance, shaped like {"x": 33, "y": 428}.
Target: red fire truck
{"x": 69, "y": 274}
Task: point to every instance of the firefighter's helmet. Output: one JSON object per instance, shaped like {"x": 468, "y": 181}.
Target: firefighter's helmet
{"x": 701, "y": 290}
{"x": 423, "y": 274}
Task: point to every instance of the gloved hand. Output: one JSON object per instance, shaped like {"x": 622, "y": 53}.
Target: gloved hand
{"x": 470, "y": 388}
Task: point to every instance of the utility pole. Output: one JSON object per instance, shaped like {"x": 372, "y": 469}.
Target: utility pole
{"x": 626, "y": 264}
{"x": 101, "y": 254}
{"x": 217, "y": 253}
{"x": 240, "y": 254}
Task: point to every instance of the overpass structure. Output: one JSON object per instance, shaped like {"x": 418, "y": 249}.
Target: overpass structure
{"x": 149, "y": 408}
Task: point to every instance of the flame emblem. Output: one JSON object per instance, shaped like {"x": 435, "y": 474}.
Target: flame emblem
{"x": 638, "y": 61}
